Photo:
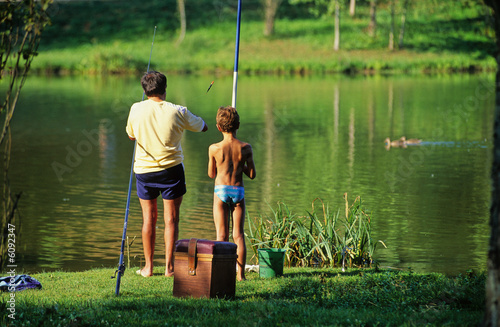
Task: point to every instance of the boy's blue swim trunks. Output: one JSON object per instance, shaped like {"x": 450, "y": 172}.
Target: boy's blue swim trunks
{"x": 170, "y": 183}
{"x": 230, "y": 194}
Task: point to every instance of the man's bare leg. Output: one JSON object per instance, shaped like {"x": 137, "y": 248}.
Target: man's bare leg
{"x": 171, "y": 213}
{"x": 149, "y": 218}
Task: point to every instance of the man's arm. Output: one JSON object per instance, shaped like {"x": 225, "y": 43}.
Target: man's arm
{"x": 128, "y": 130}
{"x": 192, "y": 121}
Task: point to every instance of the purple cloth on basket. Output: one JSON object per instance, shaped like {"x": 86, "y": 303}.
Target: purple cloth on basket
{"x": 207, "y": 247}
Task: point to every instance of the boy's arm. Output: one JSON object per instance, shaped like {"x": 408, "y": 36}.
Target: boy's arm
{"x": 212, "y": 167}
{"x": 249, "y": 168}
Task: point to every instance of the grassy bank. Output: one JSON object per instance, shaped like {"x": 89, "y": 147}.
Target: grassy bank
{"x": 437, "y": 39}
{"x": 305, "y": 296}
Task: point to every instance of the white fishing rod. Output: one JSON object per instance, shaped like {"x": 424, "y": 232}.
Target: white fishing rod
{"x": 121, "y": 266}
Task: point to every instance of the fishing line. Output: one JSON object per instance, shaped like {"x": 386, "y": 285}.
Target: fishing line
{"x": 236, "y": 58}
{"x": 121, "y": 266}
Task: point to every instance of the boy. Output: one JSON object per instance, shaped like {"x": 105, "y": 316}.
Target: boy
{"x": 227, "y": 161}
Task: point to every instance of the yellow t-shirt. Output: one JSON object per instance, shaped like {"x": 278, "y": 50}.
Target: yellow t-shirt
{"x": 157, "y": 128}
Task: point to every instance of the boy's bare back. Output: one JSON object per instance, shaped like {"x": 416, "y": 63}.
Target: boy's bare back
{"x": 229, "y": 159}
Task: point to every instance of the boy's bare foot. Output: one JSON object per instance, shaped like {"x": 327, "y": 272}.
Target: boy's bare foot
{"x": 239, "y": 278}
{"x": 143, "y": 273}
{"x": 169, "y": 274}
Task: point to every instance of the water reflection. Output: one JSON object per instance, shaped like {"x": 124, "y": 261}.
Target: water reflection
{"x": 312, "y": 137}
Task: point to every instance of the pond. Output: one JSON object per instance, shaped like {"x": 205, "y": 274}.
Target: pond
{"x": 313, "y": 137}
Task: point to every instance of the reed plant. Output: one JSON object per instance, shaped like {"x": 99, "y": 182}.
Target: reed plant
{"x": 320, "y": 239}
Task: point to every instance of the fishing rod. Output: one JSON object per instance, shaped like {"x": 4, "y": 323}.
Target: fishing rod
{"x": 236, "y": 55}
{"x": 121, "y": 266}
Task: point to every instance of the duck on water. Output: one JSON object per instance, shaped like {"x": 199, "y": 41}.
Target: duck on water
{"x": 402, "y": 142}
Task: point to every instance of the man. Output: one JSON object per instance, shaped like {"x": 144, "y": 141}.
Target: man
{"x": 157, "y": 127}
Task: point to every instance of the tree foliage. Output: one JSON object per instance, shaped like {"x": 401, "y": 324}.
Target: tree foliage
{"x": 318, "y": 8}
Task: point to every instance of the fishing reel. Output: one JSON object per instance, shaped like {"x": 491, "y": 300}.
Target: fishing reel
{"x": 120, "y": 270}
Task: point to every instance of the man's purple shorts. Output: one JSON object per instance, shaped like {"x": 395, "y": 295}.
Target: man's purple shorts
{"x": 170, "y": 183}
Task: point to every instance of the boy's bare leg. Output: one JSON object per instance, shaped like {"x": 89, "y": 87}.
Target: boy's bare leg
{"x": 221, "y": 214}
{"x": 239, "y": 237}
{"x": 149, "y": 218}
{"x": 171, "y": 213}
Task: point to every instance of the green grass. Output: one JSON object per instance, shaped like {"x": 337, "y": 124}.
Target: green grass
{"x": 439, "y": 39}
{"x": 303, "y": 296}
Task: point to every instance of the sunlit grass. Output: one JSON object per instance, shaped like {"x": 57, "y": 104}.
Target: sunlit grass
{"x": 442, "y": 42}
{"x": 305, "y": 296}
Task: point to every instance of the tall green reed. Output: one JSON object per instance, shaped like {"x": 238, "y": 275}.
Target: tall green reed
{"x": 321, "y": 238}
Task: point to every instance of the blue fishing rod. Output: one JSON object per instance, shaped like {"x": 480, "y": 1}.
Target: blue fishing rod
{"x": 121, "y": 266}
{"x": 236, "y": 55}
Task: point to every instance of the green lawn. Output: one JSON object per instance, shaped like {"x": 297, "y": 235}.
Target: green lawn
{"x": 302, "y": 297}
{"x": 442, "y": 38}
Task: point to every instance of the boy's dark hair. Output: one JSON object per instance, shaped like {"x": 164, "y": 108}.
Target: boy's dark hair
{"x": 154, "y": 83}
{"x": 228, "y": 119}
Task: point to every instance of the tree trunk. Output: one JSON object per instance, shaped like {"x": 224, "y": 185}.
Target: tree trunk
{"x": 270, "y": 10}
{"x": 336, "y": 41}
{"x": 373, "y": 18}
{"x": 182, "y": 14}
{"x": 352, "y": 8}
{"x": 391, "y": 32}
{"x": 492, "y": 312}
{"x": 403, "y": 21}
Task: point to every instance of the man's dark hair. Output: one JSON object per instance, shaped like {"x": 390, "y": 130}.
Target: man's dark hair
{"x": 154, "y": 83}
